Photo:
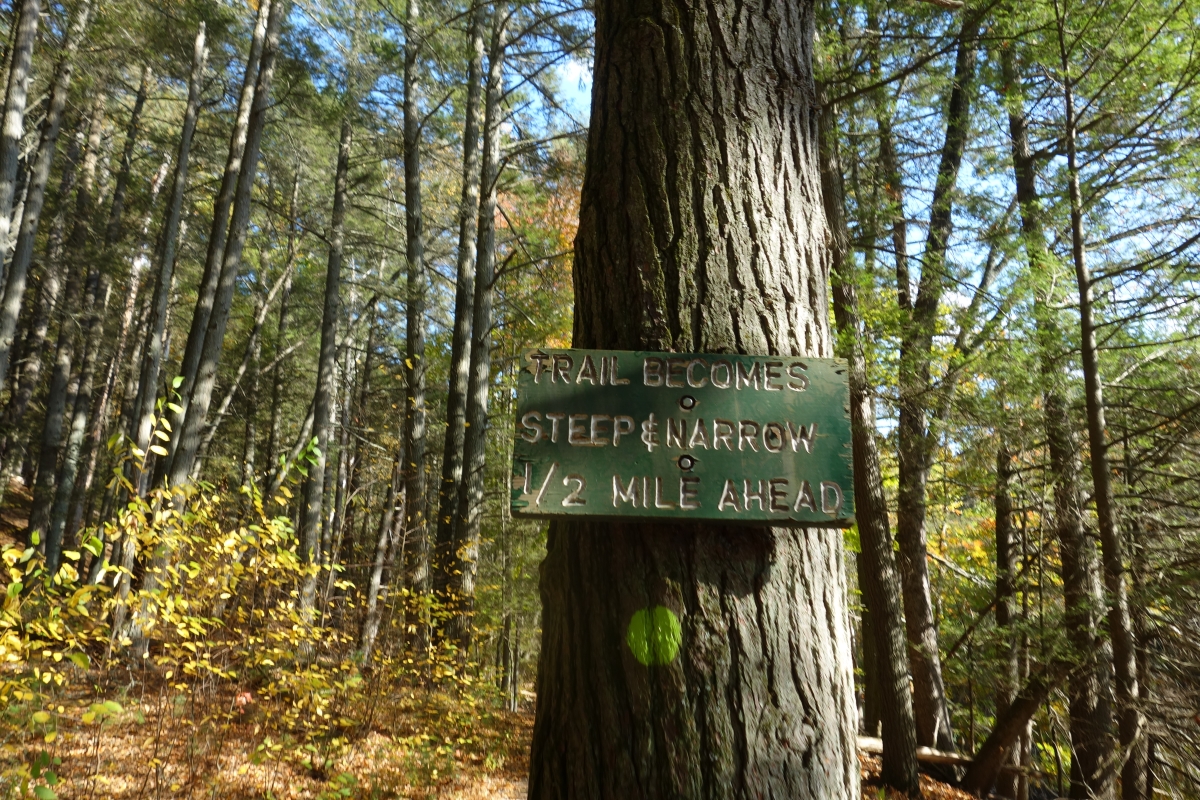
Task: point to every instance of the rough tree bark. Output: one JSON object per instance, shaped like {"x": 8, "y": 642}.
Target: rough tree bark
{"x": 381, "y": 567}
{"x": 1132, "y": 756}
{"x": 1088, "y": 689}
{"x": 915, "y": 447}
{"x": 414, "y": 348}
{"x": 701, "y": 230}
{"x": 35, "y": 195}
{"x": 878, "y": 576}
{"x": 314, "y": 485}
{"x": 464, "y": 298}
{"x": 469, "y": 514}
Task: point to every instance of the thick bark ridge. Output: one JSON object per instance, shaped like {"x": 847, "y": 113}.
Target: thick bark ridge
{"x": 701, "y": 229}
{"x": 13, "y": 125}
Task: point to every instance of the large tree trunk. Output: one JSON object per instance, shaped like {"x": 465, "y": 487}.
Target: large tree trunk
{"x": 58, "y": 397}
{"x": 701, "y": 230}
{"x": 314, "y": 486}
{"x": 878, "y": 576}
{"x": 464, "y": 298}
{"x": 469, "y": 515}
{"x": 915, "y": 388}
{"x": 168, "y": 239}
{"x": 1120, "y": 629}
{"x": 196, "y": 410}
{"x": 414, "y": 349}
{"x": 1090, "y": 709}
{"x": 214, "y": 258}
{"x": 35, "y": 196}
{"x": 12, "y": 127}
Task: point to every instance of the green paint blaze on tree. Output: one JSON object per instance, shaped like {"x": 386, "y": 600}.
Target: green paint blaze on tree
{"x": 654, "y": 635}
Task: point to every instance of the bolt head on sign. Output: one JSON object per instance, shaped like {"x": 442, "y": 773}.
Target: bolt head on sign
{"x": 702, "y": 437}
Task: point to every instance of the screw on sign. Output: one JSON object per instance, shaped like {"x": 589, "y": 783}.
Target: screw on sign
{"x": 733, "y": 438}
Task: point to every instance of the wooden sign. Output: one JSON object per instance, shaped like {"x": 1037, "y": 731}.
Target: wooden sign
{"x": 720, "y": 438}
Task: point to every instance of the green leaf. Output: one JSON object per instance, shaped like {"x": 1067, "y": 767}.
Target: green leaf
{"x": 44, "y": 793}
{"x": 93, "y": 545}
{"x": 35, "y": 538}
{"x": 41, "y": 717}
{"x": 176, "y": 382}
{"x": 80, "y": 660}
{"x": 158, "y": 449}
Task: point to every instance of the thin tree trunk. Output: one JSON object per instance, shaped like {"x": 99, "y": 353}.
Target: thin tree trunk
{"x": 414, "y": 349}
{"x": 196, "y": 410}
{"x": 314, "y": 486}
{"x": 168, "y": 239}
{"x": 450, "y": 488}
{"x": 49, "y": 299}
{"x": 465, "y": 553}
{"x": 14, "y": 288}
{"x": 250, "y": 433}
{"x": 1132, "y": 755}
{"x": 214, "y": 259}
{"x": 915, "y": 443}
{"x": 381, "y": 566}
{"x": 715, "y": 105}
{"x": 59, "y": 399}
{"x": 15, "y": 97}
{"x": 1090, "y": 709}
{"x": 878, "y": 578}
{"x": 249, "y": 355}
{"x": 275, "y": 436}
{"x": 69, "y": 486}
{"x": 1006, "y": 571}
{"x": 100, "y": 416}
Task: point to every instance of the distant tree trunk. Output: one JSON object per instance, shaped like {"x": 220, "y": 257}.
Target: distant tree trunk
{"x": 314, "y": 485}
{"x": 716, "y": 106}
{"x": 915, "y": 444}
{"x": 275, "y": 436}
{"x": 12, "y": 127}
{"x": 214, "y": 259}
{"x": 192, "y": 425}
{"x": 250, "y": 433}
{"x": 381, "y": 567}
{"x": 58, "y": 399}
{"x": 414, "y": 349}
{"x": 49, "y": 297}
{"x": 1006, "y": 572}
{"x": 465, "y": 552}
{"x": 14, "y": 288}
{"x": 100, "y": 416}
{"x": 878, "y": 577}
{"x": 69, "y": 484}
{"x": 1120, "y": 630}
{"x": 450, "y": 488}
{"x": 1088, "y": 690}
{"x": 168, "y": 239}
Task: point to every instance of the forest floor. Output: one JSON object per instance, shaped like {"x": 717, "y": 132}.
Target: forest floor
{"x": 167, "y": 745}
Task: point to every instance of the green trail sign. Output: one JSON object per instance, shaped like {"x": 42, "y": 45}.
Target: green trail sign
{"x": 729, "y": 438}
